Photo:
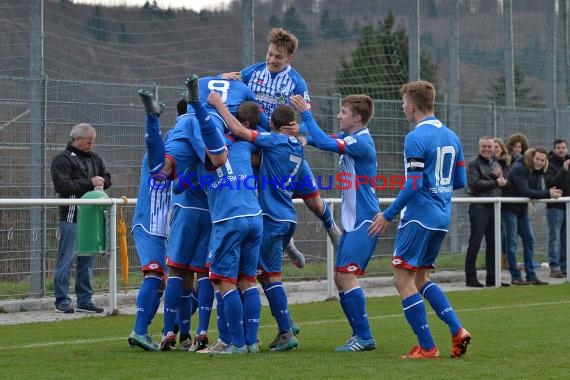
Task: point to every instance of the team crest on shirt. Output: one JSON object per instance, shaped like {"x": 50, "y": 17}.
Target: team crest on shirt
{"x": 280, "y": 98}
{"x": 349, "y": 140}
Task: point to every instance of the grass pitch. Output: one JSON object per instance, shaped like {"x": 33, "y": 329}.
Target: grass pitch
{"x": 518, "y": 333}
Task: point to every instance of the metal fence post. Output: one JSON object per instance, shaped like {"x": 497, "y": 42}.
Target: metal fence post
{"x": 414, "y": 68}
{"x": 498, "y": 250}
{"x": 113, "y": 258}
{"x": 37, "y": 147}
{"x": 248, "y": 27}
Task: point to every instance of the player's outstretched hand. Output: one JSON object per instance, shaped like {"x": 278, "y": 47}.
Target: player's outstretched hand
{"x": 292, "y": 129}
{"x": 215, "y": 99}
{"x": 379, "y": 225}
{"x": 235, "y": 75}
{"x": 298, "y": 103}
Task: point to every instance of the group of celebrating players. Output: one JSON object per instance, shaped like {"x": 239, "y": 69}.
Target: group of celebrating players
{"x": 218, "y": 240}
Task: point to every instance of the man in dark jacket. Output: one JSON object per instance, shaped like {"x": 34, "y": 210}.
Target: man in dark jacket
{"x": 74, "y": 172}
{"x": 485, "y": 178}
{"x": 557, "y": 175}
{"x": 526, "y": 179}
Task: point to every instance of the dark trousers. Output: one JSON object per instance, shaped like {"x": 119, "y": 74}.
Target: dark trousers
{"x": 482, "y": 224}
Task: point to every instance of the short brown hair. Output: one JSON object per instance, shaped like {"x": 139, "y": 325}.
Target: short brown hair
{"x": 421, "y": 94}
{"x": 282, "y": 115}
{"x": 248, "y": 111}
{"x": 283, "y": 39}
{"x": 362, "y": 105}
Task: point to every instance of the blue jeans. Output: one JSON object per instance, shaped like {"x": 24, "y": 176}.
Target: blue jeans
{"x": 83, "y": 273}
{"x": 556, "y": 238}
{"x": 519, "y": 226}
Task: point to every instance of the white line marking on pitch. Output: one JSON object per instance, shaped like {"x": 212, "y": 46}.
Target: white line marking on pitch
{"x": 313, "y": 323}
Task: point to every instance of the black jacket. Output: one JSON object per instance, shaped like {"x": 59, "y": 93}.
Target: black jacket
{"x": 557, "y": 176}
{"x": 480, "y": 178}
{"x": 523, "y": 182}
{"x": 71, "y": 173}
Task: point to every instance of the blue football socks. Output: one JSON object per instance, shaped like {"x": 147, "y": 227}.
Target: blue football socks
{"x": 326, "y": 216}
{"x": 277, "y": 299}
{"x": 172, "y": 299}
{"x": 213, "y": 138}
{"x": 233, "y": 310}
{"x": 223, "y": 329}
{"x": 154, "y": 144}
{"x": 356, "y": 306}
{"x": 344, "y": 308}
{"x": 440, "y": 304}
{"x": 251, "y": 314}
{"x": 185, "y": 312}
{"x": 415, "y": 313}
{"x": 205, "y": 302}
{"x": 146, "y": 301}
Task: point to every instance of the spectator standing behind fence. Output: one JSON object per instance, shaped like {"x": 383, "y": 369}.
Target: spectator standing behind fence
{"x": 502, "y": 156}
{"x": 517, "y": 145}
{"x": 74, "y": 172}
{"x": 526, "y": 179}
{"x": 557, "y": 175}
{"x": 485, "y": 178}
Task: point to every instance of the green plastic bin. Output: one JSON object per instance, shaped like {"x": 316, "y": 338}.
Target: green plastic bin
{"x": 90, "y": 237}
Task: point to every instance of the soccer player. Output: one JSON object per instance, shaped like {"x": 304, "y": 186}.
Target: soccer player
{"x": 237, "y": 221}
{"x": 200, "y": 131}
{"x": 359, "y": 206}
{"x": 274, "y": 82}
{"x": 282, "y": 156}
{"x": 187, "y": 242}
{"x": 150, "y": 225}
{"x": 434, "y": 167}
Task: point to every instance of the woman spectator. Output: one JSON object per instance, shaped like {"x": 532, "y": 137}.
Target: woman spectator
{"x": 517, "y": 145}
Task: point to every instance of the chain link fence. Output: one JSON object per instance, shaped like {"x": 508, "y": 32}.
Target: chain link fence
{"x": 28, "y": 235}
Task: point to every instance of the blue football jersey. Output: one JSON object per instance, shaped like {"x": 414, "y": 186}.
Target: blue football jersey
{"x": 184, "y": 145}
{"x": 357, "y": 170}
{"x": 231, "y": 188}
{"x": 280, "y": 162}
{"x": 153, "y": 203}
{"x": 434, "y": 152}
{"x": 232, "y": 92}
{"x": 273, "y": 89}
{"x": 358, "y": 161}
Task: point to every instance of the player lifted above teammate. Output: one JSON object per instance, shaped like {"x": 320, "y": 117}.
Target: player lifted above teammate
{"x": 273, "y": 82}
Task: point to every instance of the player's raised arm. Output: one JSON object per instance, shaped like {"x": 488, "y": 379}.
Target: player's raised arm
{"x": 319, "y": 138}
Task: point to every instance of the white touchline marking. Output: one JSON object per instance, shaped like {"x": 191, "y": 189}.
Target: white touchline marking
{"x": 312, "y": 323}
